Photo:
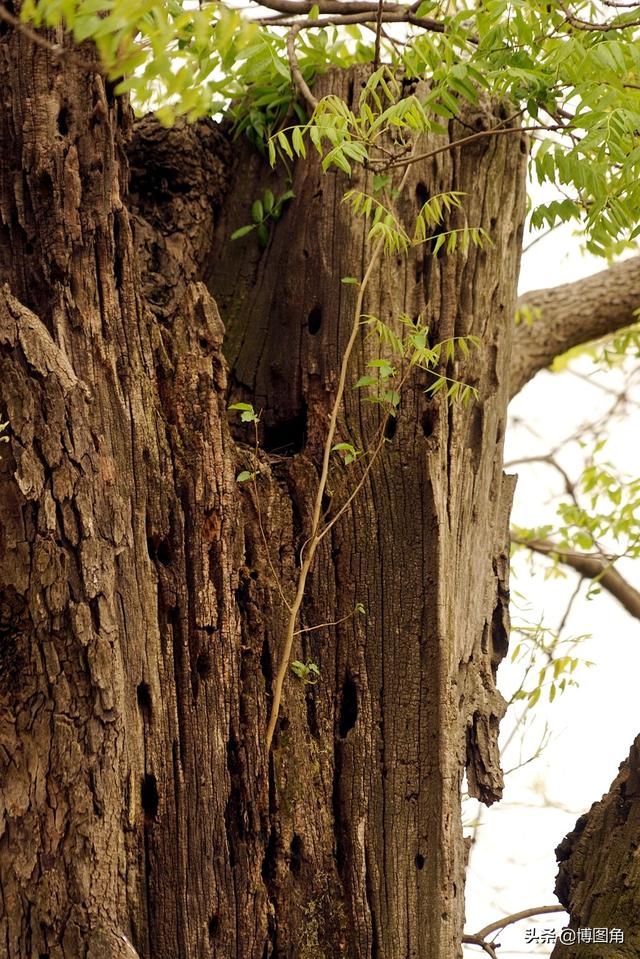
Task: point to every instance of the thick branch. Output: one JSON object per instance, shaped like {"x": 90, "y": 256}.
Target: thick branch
{"x": 573, "y": 313}
{"x": 591, "y": 567}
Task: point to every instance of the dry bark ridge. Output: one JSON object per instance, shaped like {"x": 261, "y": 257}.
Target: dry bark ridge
{"x": 139, "y": 619}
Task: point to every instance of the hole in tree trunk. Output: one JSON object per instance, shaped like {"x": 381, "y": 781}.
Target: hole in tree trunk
{"x": 63, "y": 121}
{"x": 270, "y": 857}
{"x": 143, "y": 695}
{"x": 348, "y": 706}
{"x": 94, "y": 607}
{"x": 422, "y": 194}
{"x": 427, "y": 423}
{"x": 164, "y": 553}
{"x": 390, "y": 428}
{"x": 214, "y": 925}
{"x": 203, "y": 665}
{"x": 295, "y": 855}
{"x": 149, "y": 796}
{"x": 159, "y": 550}
{"x": 419, "y": 861}
{"x": 314, "y": 320}
{"x": 286, "y": 437}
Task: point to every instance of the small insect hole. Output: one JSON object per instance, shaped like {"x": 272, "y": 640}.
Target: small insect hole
{"x": 390, "y": 428}
{"x": 314, "y": 320}
{"x": 203, "y": 665}
{"x": 149, "y": 796}
{"x": 427, "y": 423}
{"x": 143, "y": 695}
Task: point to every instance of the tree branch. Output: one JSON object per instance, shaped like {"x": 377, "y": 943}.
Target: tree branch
{"x": 296, "y": 73}
{"x": 354, "y": 11}
{"x": 591, "y": 566}
{"x": 571, "y": 314}
{"x": 516, "y": 917}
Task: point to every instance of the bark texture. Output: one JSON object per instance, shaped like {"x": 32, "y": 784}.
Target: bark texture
{"x": 120, "y": 638}
{"x": 599, "y": 877}
{"x": 140, "y": 616}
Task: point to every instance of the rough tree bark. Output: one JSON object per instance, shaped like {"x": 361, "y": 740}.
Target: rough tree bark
{"x": 598, "y": 881}
{"x": 140, "y": 617}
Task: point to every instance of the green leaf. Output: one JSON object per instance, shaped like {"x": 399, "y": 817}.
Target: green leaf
{"x": 243, "y": 231}
{"x": 350, "y": 280}
{"x": 268, "y": 201}
{"x": 263, "y": 235}
{"x": 257, "y": 211}
{"x": 365, "y": 381}
{"x": 245, "y": 476}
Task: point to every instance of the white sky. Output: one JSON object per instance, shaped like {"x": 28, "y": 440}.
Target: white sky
{"x": 513, "y": 864}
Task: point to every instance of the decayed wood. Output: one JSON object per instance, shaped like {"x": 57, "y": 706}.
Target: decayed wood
{"x": 407, "y": 694}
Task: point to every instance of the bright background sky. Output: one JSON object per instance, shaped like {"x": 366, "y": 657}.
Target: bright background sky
{"x": 512, "y": 865}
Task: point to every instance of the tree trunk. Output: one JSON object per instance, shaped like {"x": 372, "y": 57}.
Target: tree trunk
{"x": 141, "y": 609}
{"x": 599, "y": 882}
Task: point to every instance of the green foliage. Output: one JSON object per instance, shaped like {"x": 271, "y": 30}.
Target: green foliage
{"x": 600, "y": 518}
{"x": 245, "y": 476}
{"x": 347, "y": 451}
{"x": 385, "y": 378}
{"x": 264, "y": 212}
{"x": 308, "y": 672}
{"x": 247, "y": 412}
{"x": 571, "y": 72}
{"x": 547, "y": 664}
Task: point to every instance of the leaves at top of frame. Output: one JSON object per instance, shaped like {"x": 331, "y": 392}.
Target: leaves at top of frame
{"x": 574, "y": 80}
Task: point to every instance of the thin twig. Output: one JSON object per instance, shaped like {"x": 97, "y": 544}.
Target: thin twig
{"x": 496, "y": 131}
{"x": 313, "y": 540}
{"x": 516, "y": 917}
{"x": 486, "y": 946}
{"x": 296, "y": 73}
{"x": 376, "y": 54}
{"x": 336, "y": 622}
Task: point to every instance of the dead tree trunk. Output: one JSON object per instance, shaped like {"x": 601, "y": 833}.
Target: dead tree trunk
{"x": 140, "y": 617}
